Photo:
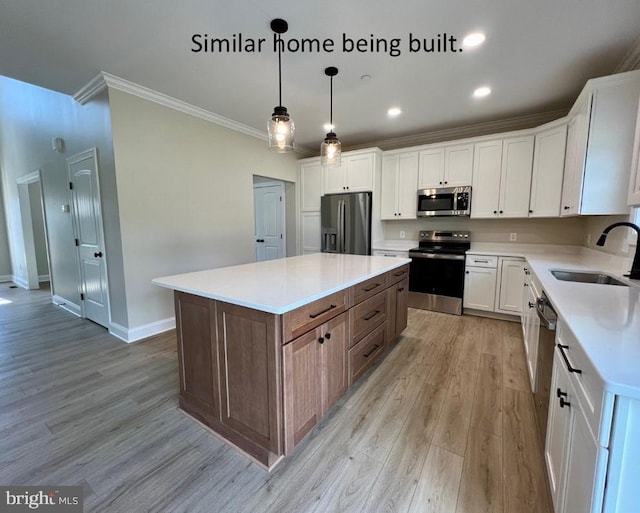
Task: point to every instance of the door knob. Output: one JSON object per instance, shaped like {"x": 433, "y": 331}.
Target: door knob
{"x": 98, "y": 254}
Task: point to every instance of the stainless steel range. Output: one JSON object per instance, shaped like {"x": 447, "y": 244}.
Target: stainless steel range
{"x": 436, "y": 277}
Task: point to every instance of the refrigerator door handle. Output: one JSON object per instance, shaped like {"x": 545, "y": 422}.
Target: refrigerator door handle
{"x": 339, "y": 229}
{"x": 343, "y": 228}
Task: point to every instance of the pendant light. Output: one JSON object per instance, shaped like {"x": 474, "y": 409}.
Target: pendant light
{"x": 280, "y": 127}
{"x": 330, "y": 149}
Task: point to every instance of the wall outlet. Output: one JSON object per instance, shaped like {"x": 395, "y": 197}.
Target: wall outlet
{"x": 513, "y": 237}
{"x": 402, "y": 234}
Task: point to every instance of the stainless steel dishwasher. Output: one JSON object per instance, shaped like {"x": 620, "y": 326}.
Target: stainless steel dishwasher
{"x": 546, "y": 345}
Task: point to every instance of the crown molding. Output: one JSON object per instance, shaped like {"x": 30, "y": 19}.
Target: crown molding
{"x": 104, "y": 79}
{"x": 91, "y": 89}
{"x": 631, "y": 59}
{"x": 462, "y": 132}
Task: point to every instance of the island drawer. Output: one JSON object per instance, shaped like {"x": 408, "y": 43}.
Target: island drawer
{"x": 367, "y": 315}
{"x": 364, "y": 354}
{"x": 398, "y": 274}
{"x": 368, "y": 288}
{"x": 299, "y": 321}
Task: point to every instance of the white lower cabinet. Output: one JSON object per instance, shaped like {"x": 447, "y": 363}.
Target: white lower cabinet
{"x": 572, "y": 453}
{"x": 530, "y": 326}
{"x": 480, "y": 279}
{"x": 509, "y": 291}
{"x": 493, "y": 283}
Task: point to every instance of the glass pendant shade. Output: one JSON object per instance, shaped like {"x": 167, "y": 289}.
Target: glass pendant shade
{"x": 281, "y": 131}
{"x": 330, "y": 150}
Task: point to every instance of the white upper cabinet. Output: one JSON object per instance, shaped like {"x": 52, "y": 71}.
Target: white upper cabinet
{"x": 502, "y": 177}
{"x": 310, "y": 179}
{"x": 398, "y": 194}
{"x": 355, "y": 174}
{"x": 487, "y": 162}
{"x": 548, "y": 170}
{"x": 515, "y": 178}
{"x": 449, "y": 166}
{"x": 600, "y": 142}
{"x": 634, "y": 179}
{"x": 577, "y": 132}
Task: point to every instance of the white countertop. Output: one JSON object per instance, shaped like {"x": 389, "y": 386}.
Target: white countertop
{"x": 278, "y": 286}
{"x": 605, "y": 319}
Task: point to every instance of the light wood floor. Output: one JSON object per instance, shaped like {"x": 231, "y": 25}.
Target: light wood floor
{"x": 444, "y": 424}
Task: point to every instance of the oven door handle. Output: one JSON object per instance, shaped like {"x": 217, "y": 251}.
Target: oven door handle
{"x": 436, "y": 256}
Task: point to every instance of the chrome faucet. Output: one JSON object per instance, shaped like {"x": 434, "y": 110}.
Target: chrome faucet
{"x": 635, "y": 266}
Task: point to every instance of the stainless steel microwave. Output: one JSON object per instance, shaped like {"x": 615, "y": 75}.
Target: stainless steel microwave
{"x": 444, "y": 201}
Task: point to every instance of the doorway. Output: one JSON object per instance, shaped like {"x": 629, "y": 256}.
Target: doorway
{"x": 34, "y": 229}
{"x": 270, "y": 220}
{"x": 84, "y": 186}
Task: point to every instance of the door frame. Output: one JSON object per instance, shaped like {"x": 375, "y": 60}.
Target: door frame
{"x": 24, "y": 201}
{"x": 283, "y": 208}
{"x": 73, "y": 159}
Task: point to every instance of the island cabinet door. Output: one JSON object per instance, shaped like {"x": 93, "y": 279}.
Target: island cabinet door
{"x": 334, "y": 360}
{"x": 315, "y": 376}
{"x": 197, "y": 357}
{"x": 250, "y": 353}
{"x": 301, "y": 387}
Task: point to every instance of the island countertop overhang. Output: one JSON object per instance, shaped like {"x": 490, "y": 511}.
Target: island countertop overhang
{"x": 279, "y": 286}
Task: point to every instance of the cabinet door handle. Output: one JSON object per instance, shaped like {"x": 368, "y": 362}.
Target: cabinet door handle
{"x": 327, "y": 336}
{"x": 495, "y": 211}
{"x": 371, "y": 288}
{"x": 98, "y": 254}
{"x": 560, "y": 393}
{"x": 330, "y": 307}
{"x": 369, "y": 317}
{"x": 400, "y": 290}
{"x": 371, "y": 352}
{"x": 321, "y": 340}
{"x": 564, "y": 403}
{"x": 531, "y": 305}
{"x": 566, "y": 360}
{"x": 466, "y": 272}
{"x": 501, "y": 212}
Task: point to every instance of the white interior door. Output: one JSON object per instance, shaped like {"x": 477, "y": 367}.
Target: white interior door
{"x": 87, "y": 217}
{"x": 269, "y": 221}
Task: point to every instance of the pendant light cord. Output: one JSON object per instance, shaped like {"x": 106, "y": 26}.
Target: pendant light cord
{"x": 279, "y": 70}
{"x": 331, "y": 104}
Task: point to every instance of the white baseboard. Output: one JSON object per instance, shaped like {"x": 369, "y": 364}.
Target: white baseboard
{"x": 141, "y": 332}
{"x": 69, "y": 306}
{"x": 5, "y": 277}
{"x": 43, "y": 277}
{"x": 23, "y": 284}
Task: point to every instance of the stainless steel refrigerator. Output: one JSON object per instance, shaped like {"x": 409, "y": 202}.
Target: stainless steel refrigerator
{"x": 346, "y": 223}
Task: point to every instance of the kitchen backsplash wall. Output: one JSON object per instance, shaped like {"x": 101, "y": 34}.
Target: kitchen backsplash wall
{"x": 528, "y": 231}
{"x": 619, "y": 242}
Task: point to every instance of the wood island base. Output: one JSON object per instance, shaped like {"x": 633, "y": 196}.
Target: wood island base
{"x": 262, "y": 381}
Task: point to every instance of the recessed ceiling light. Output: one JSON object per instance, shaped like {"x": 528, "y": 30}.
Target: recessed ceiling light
{"x": 473, "y": 39}
{"x": 328, "y": 127}
{"x": 394, "y": 112}
{"x": 481, "y": 92}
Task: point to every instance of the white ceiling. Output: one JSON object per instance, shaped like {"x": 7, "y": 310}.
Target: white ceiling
{"x": 537, "y": 56}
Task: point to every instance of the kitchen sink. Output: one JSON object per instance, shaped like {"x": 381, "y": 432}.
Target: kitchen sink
{"x": 587, "y": 277}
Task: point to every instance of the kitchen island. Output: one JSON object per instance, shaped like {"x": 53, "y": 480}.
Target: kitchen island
{"x": 266, "y": 349}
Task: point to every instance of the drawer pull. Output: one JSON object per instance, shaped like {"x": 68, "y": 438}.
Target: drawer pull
{"x": 376, "y": 285}
{"x": 400, "y": 273}
{"x": 566, "y": 360}
{"x": 481, "y": 261}
{"x": 371, "y": 352}
{"x": 331, "y": 307}
{"x": 371, "y": 316}
{"x": 401, "y": 289}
